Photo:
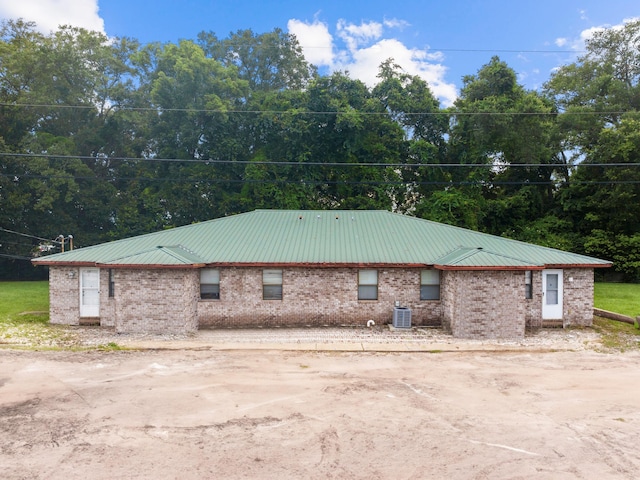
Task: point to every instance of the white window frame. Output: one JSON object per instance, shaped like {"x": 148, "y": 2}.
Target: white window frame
{"x": 428, "y": 280}
{"x": 209, "y": 284}
{"x": 368, "y": 284}
{"x": 272, "y": 284}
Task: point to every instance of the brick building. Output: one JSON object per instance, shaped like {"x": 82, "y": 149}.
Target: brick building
{"x": 314, "y": 268}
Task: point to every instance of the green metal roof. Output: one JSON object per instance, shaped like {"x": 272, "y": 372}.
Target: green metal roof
{"x": 321, "y": 238}
{"x": 177, "y": 255}
{"x": 479, "y": 257}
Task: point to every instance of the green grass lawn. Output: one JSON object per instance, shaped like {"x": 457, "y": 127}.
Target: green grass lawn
{"x": 621, "y": 298}
{"x": 24, "y": 316}
{"x": 16, "y": 298}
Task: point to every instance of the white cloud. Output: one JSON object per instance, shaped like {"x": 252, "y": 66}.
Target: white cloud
{"x": 561, "y": 42}
{"x": 579, "y": 43}
{"x": 356, "y": 35}
{"x": 50, "y": 14}
{"x": 395, "y": 23}
{"x": 364, "y": 63}
{"x": 315, "y": 39}
{"x": 365, "y": 47}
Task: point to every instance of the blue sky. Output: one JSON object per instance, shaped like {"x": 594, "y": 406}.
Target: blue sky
{"x": 437, "y": 40}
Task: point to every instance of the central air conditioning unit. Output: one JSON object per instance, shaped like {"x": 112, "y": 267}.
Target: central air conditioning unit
{"x": 401, "y": 317}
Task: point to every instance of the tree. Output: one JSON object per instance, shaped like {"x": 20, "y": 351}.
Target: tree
{"x": 268, "y": 61}
{"x": 603, "y": 199}
{"x": 510, "y": 134}
{"x": 411, "y": 104}
{"x": 599, "y": 97}
{"x": 351, "y": 127}
{"x": 599, "y": 87}
{"x": 193, "y": 95}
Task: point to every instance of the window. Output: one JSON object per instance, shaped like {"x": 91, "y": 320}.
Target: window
{"x": 367, "y": 285}
{"x": 430, "y": 285}
{"x": 210, "y": 284}
{"x": 528, "y": 285}
{"x": 272, "y": 284}
{"x": 112, "y": 284}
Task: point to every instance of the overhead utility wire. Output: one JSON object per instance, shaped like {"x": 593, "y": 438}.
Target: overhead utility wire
{"x": 15, "y": 257}
{"x": 325, "y": 182}
{"x": 472, "y": 50}
{"x": 310, "y": 164}
{"x": 27, "y": 235}
{"x": 301, "y": 112}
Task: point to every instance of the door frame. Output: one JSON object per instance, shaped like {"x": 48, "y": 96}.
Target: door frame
{"x": 553, "y": 311}
{"x": 89, "y": 310}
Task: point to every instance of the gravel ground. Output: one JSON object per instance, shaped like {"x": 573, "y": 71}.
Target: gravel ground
{"x": 380, "y": 337}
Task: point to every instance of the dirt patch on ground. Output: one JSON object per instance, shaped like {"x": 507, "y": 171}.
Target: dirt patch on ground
{"x": 272, "y": 414}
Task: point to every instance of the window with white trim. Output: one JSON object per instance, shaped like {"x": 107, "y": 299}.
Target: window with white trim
{"x": 272, "y": 284}
{"x": 430, "y": 285}
{"x": 367, "y": 284}
{"x": 210, "y": 284}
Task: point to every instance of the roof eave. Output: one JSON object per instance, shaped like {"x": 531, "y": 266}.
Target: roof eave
{"x": 38, "y": 263}
{"x": 579, "y": 265}
{"x": 522, "y": 268}
{"x": 157, "y": 266}
{"x": 319, "y": 264}
{"x": 135, "y": 266}
{"x": 491, "y": 267}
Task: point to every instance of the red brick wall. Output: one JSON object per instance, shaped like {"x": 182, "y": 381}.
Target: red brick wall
{"x": 161, "y": 301}
{"x": 64, "y": 296}
{"x": 578, "y": 296}
{"x": 315, "y": 297}
{"x": 483, "y": 304}
{"x": 107, "y": 304}
{"x": 533, "y": 306}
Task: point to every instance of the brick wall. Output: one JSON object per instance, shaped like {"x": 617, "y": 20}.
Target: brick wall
{"x": 485, "y": 304}
{"x": 64, "y": 296}
{"x": 533, "y": 306}
{"x": 107, "y": 304}
{"x": 578, "y": 297}
{"x": 315, "y": 297}
{"x": 156, "y": 300}
{"x": 482, "y": 304}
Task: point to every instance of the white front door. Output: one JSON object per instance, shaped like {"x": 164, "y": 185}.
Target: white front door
{"x": 89, "y": 292}
{"x": 552, "y": 294}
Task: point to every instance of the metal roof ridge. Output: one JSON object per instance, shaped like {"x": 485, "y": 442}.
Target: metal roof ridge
{"x": 142, "y": 252}
{"x": 464, "y": 253}
{"x": 165, "y": 249}
{"x": 497, "y": 254}
{"x": 169, "y": 250}
{"x": 467, "y": 252}
{"x": 484, "y": 234}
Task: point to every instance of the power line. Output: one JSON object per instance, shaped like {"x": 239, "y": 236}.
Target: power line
{"x": 305, "y": 182}
{"x": 434, "y": 49}
{"x": 27, "y": 235}
{"x": 15, "y": 257}
{"x": 301, "y": 113}
{"x": 303, "y": 164}
{"x": 489, "y": 50}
